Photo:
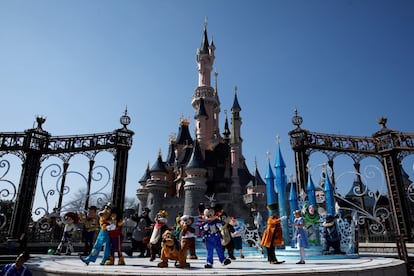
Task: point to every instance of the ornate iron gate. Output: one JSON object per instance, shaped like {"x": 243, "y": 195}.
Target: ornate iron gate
{"x": 35, "y": 145}
{"x": 388, "y": 146}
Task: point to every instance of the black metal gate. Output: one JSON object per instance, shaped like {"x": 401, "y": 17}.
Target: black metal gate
{"x": 387, "y": 146}
{"x": 33, "y": 147}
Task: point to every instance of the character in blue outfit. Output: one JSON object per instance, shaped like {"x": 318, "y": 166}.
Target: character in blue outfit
{"x": 300, "y": 239}
{"x": 102, "y": 239}
{"x": 210, "y": 231}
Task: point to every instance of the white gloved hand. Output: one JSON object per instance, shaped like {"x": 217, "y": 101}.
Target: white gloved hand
{"x": 111, "y": 227}
{"x": 283, "y": 218}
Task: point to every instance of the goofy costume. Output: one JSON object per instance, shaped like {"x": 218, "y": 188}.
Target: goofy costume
{"x": 102, "y": 239}
{"x": 210, "y": 229}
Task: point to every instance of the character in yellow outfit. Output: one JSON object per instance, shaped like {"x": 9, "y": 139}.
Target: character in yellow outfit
{"x": 272, "y": 235}
{"x": 90, "y": 228}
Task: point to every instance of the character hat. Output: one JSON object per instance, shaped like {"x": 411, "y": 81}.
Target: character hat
{"x": 147, "y": 210}
{"x": 273, "y": 208}
{"x": 108, "y": 205}
{"x": 329, "y": 221}
{"x": 329, "y": 218}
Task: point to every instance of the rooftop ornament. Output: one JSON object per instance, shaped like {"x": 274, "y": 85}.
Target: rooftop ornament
{"x": 125, "y": 119}
{"x": 297, "y": 120}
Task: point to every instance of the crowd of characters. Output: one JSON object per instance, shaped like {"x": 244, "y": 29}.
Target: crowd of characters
{"x": 150, "y": 238}
{"x": 221, "y": 235}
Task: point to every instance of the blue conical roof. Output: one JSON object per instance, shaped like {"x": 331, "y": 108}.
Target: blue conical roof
{"x": 146, "y": 175}
{"x": 269, "y": 172}
{"x": 196, "y": 160}
{"x": 171, "y": 154}
{"x": 310, "y": 187}
{"x": 292, "y": 196}
{"x": 236, "y": 105}
{"x": 328, "y": 185}
{"x": 159, "y": 165}
{"x": 183, "y": 136}
{"x": 204, "y": 41}
{"x": 279, "y": 162}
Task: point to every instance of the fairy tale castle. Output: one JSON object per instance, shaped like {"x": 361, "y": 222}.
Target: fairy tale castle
{"x": 207, "y": 168}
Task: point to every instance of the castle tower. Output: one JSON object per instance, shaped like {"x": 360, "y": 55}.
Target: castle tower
{"x": 281, "y": 184}
{"x": 212, "y": 163}
{"x": 205, "y": 98}
{"x": 157, "y": 186}
{"x": 195, "y": 182}
{"x": 142, "y": 192}
{"x": 236, "y": 145}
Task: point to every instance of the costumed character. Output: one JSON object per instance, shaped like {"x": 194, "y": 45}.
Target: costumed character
{"x": 210, "y": 229}
{"x": 188, "y": 236}
{"x": 70, "y": 219}
{"x": 115, "y": 236}
{"x": 331, "y": 236}
{"x": 90, "y": 227}
{"x": 300, "y": 239}
{"x": 237, "y": 235}
{"x": 312, "y": 218}
{"x": 226, "y": 235}
{"x": 171, "y": 250}
{"x": 160, "y": 227}
{"x": 141, "y": 233}
{"x": 201, "y": 208}
{"x": 102, "y": 239}
{"x": 177, "y": 225}
{"x": 272, "y": 235}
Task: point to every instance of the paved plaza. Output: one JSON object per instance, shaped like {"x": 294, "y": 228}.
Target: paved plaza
{"x": 362, "y": 266}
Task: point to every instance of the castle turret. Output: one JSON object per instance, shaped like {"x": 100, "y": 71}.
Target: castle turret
{"x": 310, "y": 190}
{"x": 157, "y": 186}
{"x": 270, "y": 186}
{"x": 329, "y": 194}
{"x": 207, "y": 125}
{"x": 236, "y": 145}
{"x": 195, "y": 182}
{"x": 142, "y": 192}
{"x": 226, "y": 132}
{"x": 281, "y": 183}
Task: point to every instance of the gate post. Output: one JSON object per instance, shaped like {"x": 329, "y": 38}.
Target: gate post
{"x": 123, "y": 144}
{"x": 35, "y": 142}
{"x": 298, "y": 142}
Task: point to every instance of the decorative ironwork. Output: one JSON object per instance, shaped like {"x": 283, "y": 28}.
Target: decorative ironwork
{"x": 252, "y": 237}
{"x": 6, "y": 193}
{"x": 389, "y": 147}
{"x": 35, "y": 145}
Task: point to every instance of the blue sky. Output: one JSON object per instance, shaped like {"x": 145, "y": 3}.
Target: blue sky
{"x": 342, "y": 64}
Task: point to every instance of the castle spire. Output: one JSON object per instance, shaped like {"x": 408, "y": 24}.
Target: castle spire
{"x": 205, "y": 59}
{"x": 205, "y": 99}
